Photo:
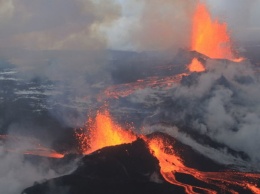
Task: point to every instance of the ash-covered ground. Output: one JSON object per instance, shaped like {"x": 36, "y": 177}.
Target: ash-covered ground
{"x": 215, "y": 112}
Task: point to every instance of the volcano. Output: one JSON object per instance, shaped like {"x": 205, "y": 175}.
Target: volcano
{"x": 133, "y": 168}
{"x": 157, "y": 121}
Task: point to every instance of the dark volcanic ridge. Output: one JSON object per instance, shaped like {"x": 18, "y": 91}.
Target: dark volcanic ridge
{"x": 132, "y": 169}
{"x": 127, "y": 168}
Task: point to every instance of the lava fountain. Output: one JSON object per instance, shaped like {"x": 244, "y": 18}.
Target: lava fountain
{"x": 209, "y": 37}
{"x": 102, "y": 131}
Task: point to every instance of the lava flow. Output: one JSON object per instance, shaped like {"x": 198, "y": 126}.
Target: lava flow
{"x": 123, "y": 90}
{"x": 102, "y": 131}
{"x": 209, "y": 37}
{"x": 27, "y": 146}
{"x": 171, "y": 163}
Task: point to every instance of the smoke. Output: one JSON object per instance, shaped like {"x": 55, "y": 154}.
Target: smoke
{"x": 61, "y": 42}
{"x": 220, "y": 155}
{"x": 154, "y": 25}
{"x": 64, "y": 42}
{"x": 221, "y": 104}
{"x": 158, "y": 25}
{"x": 241, "y": 16}
{"x": 56, "y": 52}
{"x": 18, "y": 172}
{"x": 54, "y": 25}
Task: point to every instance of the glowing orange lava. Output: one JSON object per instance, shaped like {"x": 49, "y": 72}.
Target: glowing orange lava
{"x": 27, "y": 146}
{"x": 44, "y": 152}
{"x": 209, "y": 37}
{"x": 171, "y": 163}
{"x": 123, "y": 90}
{"x": 101, "y": 132}
{"x": 196, "y": 66}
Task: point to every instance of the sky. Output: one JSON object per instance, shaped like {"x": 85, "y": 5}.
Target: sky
{"x": 241, "y": 16}
{"x": 88, "y": 24}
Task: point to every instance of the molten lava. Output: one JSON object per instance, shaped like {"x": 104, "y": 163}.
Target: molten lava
{"x": 101, "y": 132}
{"x": 171, "y": 163}
{"x": 123, "y": 90}
{"x": 27, "y": 146}
{"x": 209, "y": 37}
{"x": 196, "y": 66}
{"x": 44, "y": 152}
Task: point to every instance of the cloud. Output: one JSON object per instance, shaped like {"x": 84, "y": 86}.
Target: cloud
{"x": 6, "y": 9}
{"x": 56, "y": 24}
{"x": 60, "y": 41}
{"x": 17, "y": 173}
{"x": 221, "y": 104}
{"x": 163, "y": 25}
{"x": 57, "y": 39}
{"x": 241, "y": 16}
{"x": 155, "y": 25}
{"x": 227, "y": 105}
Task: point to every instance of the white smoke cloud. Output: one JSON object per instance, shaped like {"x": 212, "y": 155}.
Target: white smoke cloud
{"x": 16, "y": 172}
{"x": 231, "y": 108}
{"x": 241, "y": 17}
{"x": 54, "y": 25}
{"x": 19, "y": 171}
{"x": 221, "y": 156}
{"x": 154, "y": 25}
{"x": 221, "y": 103}
{"x": 56, "y": 40}
{"x": 61, "y": 41}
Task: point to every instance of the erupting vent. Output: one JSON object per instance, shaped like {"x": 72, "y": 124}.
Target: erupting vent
{"x": 103, "y": 131}
{"x": 209, "y": 37}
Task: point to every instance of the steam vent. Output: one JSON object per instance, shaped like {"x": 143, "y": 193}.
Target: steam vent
{"x": 129, "y": 97}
